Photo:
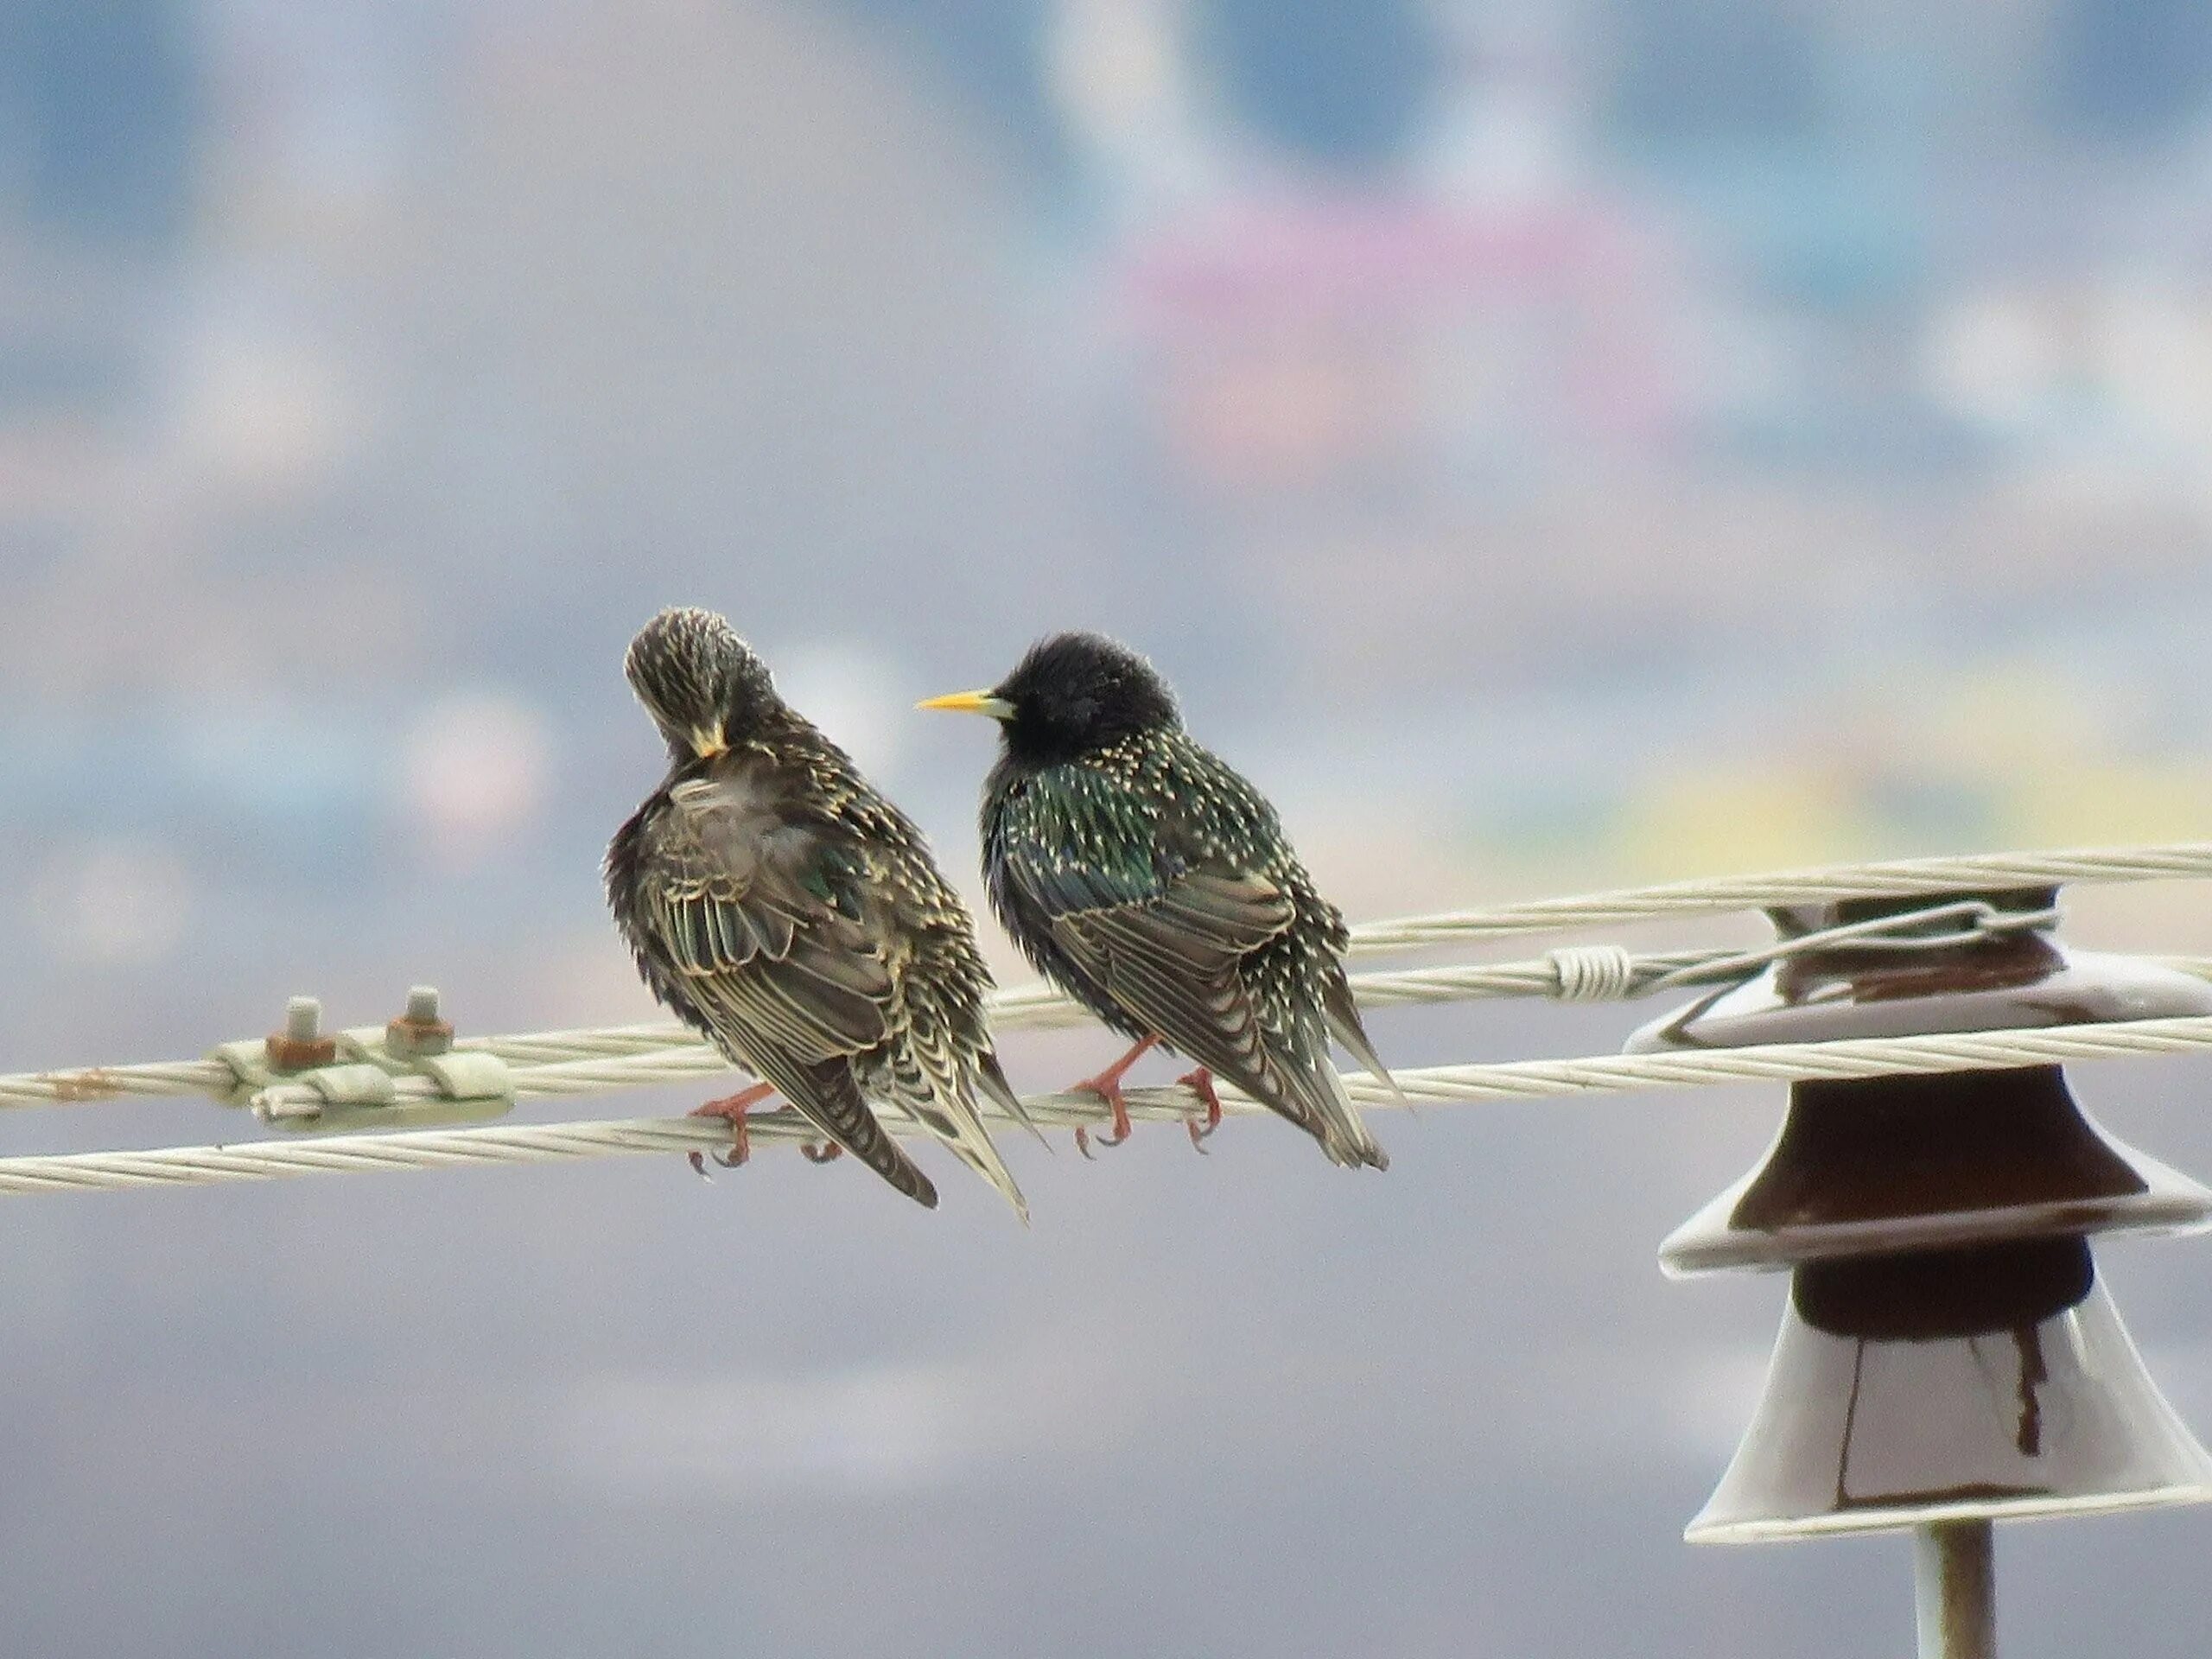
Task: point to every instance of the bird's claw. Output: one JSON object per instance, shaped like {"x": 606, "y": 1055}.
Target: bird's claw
{"x": 1200, "y": 1082}
{"x": 731, "y": 1161}
{"x": 732, "y": 1107}
{"x": 1107, "y": 1085}
{"x": 1109, "y": 1091}
{"x": 1083, "y": 1140}
{"x": 821, "y": 1152}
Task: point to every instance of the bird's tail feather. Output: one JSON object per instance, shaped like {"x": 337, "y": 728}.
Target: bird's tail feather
{"x": 1352, "y": 1143}
{"x": 992, "y": 1081}
{"x": 828, "y": 1096}
{"x": 1310, "y": 1079}
{"x": 951, "y": 1118}
{"x": 1344, "y": 1023}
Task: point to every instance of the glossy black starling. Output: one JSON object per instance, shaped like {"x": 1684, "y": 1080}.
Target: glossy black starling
{"x": 1149, "y": 880}
{"x": 792, "y": 916}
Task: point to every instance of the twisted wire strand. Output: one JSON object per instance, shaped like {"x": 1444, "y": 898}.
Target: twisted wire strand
{"x": 599, "y": 1070}
{"x": 98, "y": 1083}
{"x": 1976, "y": 873}
{"x": 636, "y": 1055}
{"x": 1518, "y": 1079}
{"x": 596, "y": 1061}
{"x": 1028, "y": 1007}
{"x": 1591, "y": 973}
{"x": 1584, "y": 973}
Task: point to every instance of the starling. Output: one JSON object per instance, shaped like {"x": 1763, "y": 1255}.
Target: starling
{"x": 1148, "y": 879}
{"x": 794, "y": 918}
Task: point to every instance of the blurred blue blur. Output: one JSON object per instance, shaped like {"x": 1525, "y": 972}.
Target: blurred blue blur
{"x": 1547, "y": 442}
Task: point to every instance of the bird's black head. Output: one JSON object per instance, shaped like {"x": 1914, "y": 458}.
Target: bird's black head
{"x": 1072, "y": 695}
{"x": 702, "y": 684}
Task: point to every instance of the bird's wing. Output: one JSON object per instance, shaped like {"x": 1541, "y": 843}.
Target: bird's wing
{"x": 1168, "y": 951}
{"x": 1170, "y": 945}
{"x": 754, "y": 915}
{"x": 1173, "y": 962}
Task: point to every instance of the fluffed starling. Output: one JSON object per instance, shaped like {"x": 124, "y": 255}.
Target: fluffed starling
{"x": 1148, "y": 879}
{"x": 794, "y": 917}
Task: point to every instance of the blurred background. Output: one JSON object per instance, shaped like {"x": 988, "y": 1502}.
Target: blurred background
{"x": 1550, "y": 443}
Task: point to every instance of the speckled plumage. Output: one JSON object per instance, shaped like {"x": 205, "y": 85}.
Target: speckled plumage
{"x": 791, "y": 915}
{"x": 1146, "y": 878}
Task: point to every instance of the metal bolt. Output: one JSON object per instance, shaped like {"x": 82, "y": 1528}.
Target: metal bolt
{"x": 418, "y": 1032}
{"x": 301, "y": 1044}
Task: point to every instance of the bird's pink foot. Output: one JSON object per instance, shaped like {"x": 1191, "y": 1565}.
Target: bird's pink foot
{"x": 1200, "y": 1082}
{"x": 821, "y": 1152}
{"x": 732, "y": 1107}
{"x": 1107, "y": 1085}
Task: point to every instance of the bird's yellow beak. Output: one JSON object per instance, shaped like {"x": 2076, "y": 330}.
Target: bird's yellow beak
{"x": 971, "y": 703}
{"x": 707, "y": 741}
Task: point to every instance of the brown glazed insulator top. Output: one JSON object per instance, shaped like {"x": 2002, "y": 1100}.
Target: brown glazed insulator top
{"x": 1880, "y": 1166}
